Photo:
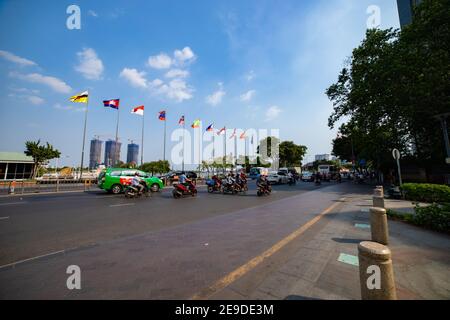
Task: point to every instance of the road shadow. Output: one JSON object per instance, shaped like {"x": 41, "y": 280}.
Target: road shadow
{"x": 296, "y": 297}
{"x": 347, "y": 240}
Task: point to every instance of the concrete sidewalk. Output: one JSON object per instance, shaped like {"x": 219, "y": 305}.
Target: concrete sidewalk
{"x": 323, "y": 264}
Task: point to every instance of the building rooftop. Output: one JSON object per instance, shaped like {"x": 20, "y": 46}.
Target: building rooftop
{"x": 14, "y": 156}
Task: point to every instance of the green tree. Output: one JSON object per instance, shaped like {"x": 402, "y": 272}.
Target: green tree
{"x": 393, "y": 86}
{"x": 153, "y": 167}
{"x": 40, "y": 154}
{"x": 291, "y": 154}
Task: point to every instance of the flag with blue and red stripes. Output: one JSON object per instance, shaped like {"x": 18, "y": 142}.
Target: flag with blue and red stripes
{"x": 162, "y": 115}
{"x": 114, "y": 103}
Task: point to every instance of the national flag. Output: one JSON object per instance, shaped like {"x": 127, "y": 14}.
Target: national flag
{"x": 243, "y": 135}
{"x": 138, "y": 110}
{"x": 210, "y": 128}
{"x": 196, "y": 124}
{"x": 221, "y": 131}
{"x": 234, "y": 134}
{"x": 80, "y": 98}
{"x": 162, "y": 115}
{"x": 181, "y": 121}
{"x": 114, "y": 103}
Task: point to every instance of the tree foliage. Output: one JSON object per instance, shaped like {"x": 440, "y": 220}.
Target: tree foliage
{"x": 393, "y": 87}
{"x": 153, "y": 167}
{"x": 40, "y": 154}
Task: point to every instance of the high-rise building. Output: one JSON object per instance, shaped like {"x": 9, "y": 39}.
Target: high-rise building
{"x": 132, "y": 153}
{"x": 95, "y": 156}
{"x": 112, "y": 153}
{"x": 405, "y": 10}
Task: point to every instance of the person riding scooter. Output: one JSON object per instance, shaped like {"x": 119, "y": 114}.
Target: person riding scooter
{"x": 136, "y": 183}
{"x": 263, "y": 185}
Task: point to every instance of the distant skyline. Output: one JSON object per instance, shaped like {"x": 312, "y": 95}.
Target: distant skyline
{"x": 242, "y": 64}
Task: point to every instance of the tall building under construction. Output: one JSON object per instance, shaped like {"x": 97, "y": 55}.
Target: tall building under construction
{"x": 95, "y": 156}
{"x": 112, "y": 153}
{"x": 132, "y": 153}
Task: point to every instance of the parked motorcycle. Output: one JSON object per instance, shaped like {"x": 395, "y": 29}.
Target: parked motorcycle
{"x": 264, "y": 190}
{"x": 133, "y": 192}
{"x": 181, "y": 190}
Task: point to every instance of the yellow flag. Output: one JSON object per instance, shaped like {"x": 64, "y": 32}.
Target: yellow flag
{"x": 80, "y": 98}
{"x": 196, "y": 124}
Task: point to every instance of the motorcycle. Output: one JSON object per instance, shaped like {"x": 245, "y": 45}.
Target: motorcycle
{"x": 184, "y": 190}
{"x": 133, "y": 192}
{"x": 230, "y": 187}
{"x": 292, "y": 181}
{"x": 264, "y": 190}
{"x": 213, "y": 185}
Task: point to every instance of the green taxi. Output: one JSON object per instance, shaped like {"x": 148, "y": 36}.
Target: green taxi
{"x": 115, "y": 180}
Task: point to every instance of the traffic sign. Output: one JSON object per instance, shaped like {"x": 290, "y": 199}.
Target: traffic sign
{"x": 396, "y": 154}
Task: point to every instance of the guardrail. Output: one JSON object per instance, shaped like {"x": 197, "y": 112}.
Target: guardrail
{"x": 51, "y": 185}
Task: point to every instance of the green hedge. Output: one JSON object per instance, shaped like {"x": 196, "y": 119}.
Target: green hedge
{"x": 435, "y": 216}
{"x": 426, "y": 192}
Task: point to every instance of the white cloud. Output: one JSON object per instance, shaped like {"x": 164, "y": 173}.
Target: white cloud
{"x": 16, "y": 59}
{"x": 161, "y": 61}
{"x": 272, "y": 113}
{"x": 176, "y": 89}
{"x": 134, "y": 77}
{"x": 52, "y": 82}
{"x": 91, "y": 67}
{"x": 58, "y": 106}
{"x": 216, "y": 97}
{"x": 250, "y": 75}
{"x": 177, "y": 73}
{"x": 92, "y": 13}
{"x": 35, "y": 100}
{"x": 247, "y": 96}
{"x": 184, "y": 55}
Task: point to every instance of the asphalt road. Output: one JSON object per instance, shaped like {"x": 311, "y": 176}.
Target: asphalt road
{"x": 149, "y": 248}
{"x": 35, "y": 225}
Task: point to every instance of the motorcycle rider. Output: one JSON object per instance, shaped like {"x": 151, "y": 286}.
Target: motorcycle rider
{"x": 243, "y": 178}
{"x": 291, "y": 178}
{"x": 136, "y": 183}
{"x": 262, "y": 182}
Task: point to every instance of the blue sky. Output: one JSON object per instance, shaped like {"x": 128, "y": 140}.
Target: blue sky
{"x": 245, "y": 64}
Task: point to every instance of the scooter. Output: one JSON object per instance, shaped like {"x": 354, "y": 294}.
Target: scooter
{"x": 264, "y": 190}
{"x": 229, "y": 188}
{"x": 183, "y": 190}
{"x": 214, "y": 185}
{"x": 292, "y": 181}
{"x": 133, "y": 192}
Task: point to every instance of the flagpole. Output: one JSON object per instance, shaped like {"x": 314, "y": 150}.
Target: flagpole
{"x": 214, "y": 152}
{"x": 142, "y": 141}
{"x": 184, "y": 130}
{"x": 225, "y": 150}
{"x": 164, "y": 151}
{"x": 117, "y": 138}
{"x": 84, "y": 137}
{"x": 235, "y": 151}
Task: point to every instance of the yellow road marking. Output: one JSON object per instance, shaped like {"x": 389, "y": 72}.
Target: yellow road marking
{"x": 253, "y": 263}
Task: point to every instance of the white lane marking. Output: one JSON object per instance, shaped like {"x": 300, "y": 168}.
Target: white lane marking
{"x": 121, "y": 205}
{"x": 4, "y": 218}
{"x": 31, "y": 259}
{"x": 12, "y": 203}
{"x": 365, "y": 210}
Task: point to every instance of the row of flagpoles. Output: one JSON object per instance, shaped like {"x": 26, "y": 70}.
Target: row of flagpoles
{"x": 114, "y": 103}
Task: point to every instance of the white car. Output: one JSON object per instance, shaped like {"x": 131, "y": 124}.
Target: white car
{"x": 279, "y": 177}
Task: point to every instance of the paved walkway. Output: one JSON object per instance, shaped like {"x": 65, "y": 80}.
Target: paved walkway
{"x": 322, "y": 264}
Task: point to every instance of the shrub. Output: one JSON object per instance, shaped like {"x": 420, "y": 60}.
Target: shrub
{"x": 426, "y": 192}
{"x": 436, "y": 217}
